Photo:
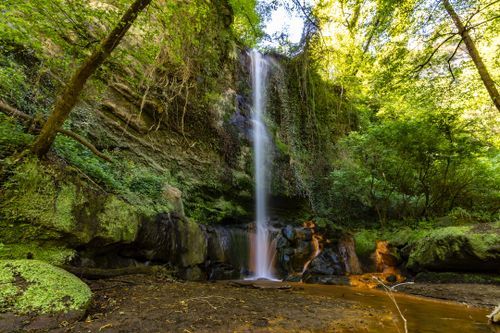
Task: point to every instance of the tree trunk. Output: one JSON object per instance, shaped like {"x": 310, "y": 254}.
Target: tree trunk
{"x": 474, "y": 54}
{"x": 69, "y": 96}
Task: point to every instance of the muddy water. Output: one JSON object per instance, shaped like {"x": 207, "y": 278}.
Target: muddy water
{"x": 422, "y": 314}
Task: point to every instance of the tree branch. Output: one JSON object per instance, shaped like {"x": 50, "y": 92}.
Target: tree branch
{"x": 421, "y": 66}
{"x": 13, "y": 112}
{"x": 451, "y": 58}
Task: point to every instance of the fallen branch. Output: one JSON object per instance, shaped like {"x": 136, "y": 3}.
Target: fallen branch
{"x": 102, "y": 273}
{"x": 13, "y": 112}
{"x": 389, "y": 292}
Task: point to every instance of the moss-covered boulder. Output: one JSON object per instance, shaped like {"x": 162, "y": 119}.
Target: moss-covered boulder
{"x": 41, "y": 203}
{"x": 467, "y": 248}
{"x": 32, "y": 286}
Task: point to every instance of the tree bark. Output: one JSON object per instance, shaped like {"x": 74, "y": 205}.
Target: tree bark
{"x": 474, "y": 54}
{"x": 70, "y": 94}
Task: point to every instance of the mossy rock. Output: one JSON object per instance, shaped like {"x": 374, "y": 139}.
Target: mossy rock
{"x": 40, "y": 203}
{"x": 33, "y": 286}
{"x": 193, "y": 242}
{"x": 35, "y": 205}
{"x": 118, "y": 222}
{"x": 465, "y": 248}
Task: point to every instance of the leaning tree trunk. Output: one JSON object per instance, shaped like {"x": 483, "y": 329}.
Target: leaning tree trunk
{"x": 69, "y": 96}
{"x": 474, "y": 54}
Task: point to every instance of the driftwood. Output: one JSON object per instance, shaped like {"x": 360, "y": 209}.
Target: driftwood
{"x": 102, "y": 273}
{"x": 13, "y": 112}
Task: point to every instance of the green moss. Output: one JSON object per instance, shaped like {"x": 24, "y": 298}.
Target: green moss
{"x": 194, "y": 243}
{"x": 208, "y": 211}
{"x": 366, "y": 242}
{"x": 33, "y": 203}
{"x": 55, "y": 255}
{"x": 28, "y": 286}
{"x": 119, "y": 221}
{"x": 452, "y": 245}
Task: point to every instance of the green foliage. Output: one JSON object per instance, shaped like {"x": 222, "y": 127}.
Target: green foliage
{"x": 139, "y": 185}
{"x": 32, "y": 286}
{"x": 12, "y": 137}
{"x": 246, "y": 22}
{"x": 413, "y": 168}
{"x": 216, "y": 211}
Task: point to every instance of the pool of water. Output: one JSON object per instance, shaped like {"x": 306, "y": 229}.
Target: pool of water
{"x": 422, "y": 314}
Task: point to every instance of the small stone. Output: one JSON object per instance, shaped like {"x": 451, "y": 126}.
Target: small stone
{"x": 391, "y": 278}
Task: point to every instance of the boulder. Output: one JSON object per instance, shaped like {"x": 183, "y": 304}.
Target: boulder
{"x": 38, "y": 204}
{"x": 457, "y": 249}
{"x": 326, "y": 263}
{"x": 192, "y": 274}
{"x": 223, "y": 271}
{"x": 36, "y": 287}
{"x": 171, "y": 238}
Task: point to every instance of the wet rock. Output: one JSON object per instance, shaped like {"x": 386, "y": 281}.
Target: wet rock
{"x": 348, "y": 253}
{"x": 326, "y": 268}
{"x": 326, "y": 263}
{"x": 386, "y": 256}
{"x": 174, "y": 197}
{"x": 391, "y": 278}
{"x": 171, "y": 238}
{"x": 296, "y": 277}
{"x": 228, "y": 246}
{"x": 192, "y": 274}
{"x": 294, "y": 248}
{"x": 223, "y": 271}
{"x": 326, "y": 279}
{"x": 304, "y": 234}
{"x": 289, "y": 233}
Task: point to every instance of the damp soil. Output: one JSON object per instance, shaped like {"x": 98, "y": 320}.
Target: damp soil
{"x": 140, "y": 303}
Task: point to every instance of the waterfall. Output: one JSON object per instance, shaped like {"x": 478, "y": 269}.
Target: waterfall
{"x": 262, "y": 156}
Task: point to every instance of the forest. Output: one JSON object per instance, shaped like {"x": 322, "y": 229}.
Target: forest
{"x": 249, "y": 166}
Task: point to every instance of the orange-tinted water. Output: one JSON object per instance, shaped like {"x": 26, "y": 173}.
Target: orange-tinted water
{"x": 422, "y": 314}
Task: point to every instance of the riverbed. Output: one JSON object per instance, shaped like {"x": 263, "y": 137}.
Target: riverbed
{"x": 141, "y": 303}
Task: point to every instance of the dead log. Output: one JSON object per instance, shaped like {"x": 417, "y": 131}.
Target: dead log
{"x": 103, "y": 273}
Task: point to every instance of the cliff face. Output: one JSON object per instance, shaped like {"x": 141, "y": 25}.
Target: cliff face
{"x": 172, "y": 111}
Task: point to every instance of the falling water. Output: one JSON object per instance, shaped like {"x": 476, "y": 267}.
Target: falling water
{"x": 261, "y": 143}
